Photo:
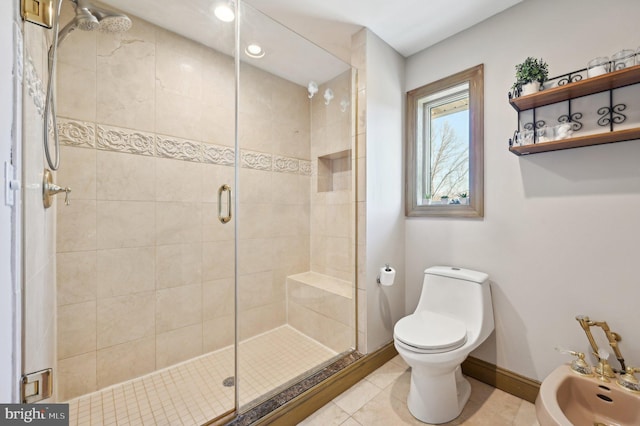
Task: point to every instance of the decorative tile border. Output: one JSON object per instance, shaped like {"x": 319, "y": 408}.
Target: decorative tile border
{"x": 285, "y": 164}
{"x": 18, "y": 50}
{"x": 305, "y": 167}
{"x": 34, "y": 85}
{"x": 222, "y": 155}
{"x": 180, "y": 149}
{"x": 76, "y": 133}
{"x": 256, "y": 160}
{"x": 124, "y": 140}
{"x": 109, "y": 138}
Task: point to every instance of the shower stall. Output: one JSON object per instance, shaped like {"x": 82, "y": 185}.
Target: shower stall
{"x": 207, "y": 258}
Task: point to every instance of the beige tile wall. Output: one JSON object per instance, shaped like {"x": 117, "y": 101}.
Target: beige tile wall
{"x": 145, "y": 269}
{"x": 38, "y": 227}
{"x": 332, "y": 205}
{"x": 322, "y": 307}
{"x": 358, "y": 60}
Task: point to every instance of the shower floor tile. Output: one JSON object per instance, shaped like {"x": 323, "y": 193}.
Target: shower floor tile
{"x": 192, "y": 392}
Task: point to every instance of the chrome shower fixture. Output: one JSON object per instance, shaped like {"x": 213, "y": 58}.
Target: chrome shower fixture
{"x": 89, "y": 17}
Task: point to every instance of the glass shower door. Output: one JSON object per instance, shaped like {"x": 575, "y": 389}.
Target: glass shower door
{"x": 296, "y": 212}
{"x": 145, "y": 266}
{"x": 152, "y": 279}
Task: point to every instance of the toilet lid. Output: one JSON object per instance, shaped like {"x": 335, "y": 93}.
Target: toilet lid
{"x": 428, "y": 330}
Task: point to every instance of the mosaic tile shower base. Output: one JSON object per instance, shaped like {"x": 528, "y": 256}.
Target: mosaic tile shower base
{"x": 192, "y": 393}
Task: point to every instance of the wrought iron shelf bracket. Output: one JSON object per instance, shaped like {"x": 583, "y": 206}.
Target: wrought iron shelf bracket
{"x": 571, "y": 86}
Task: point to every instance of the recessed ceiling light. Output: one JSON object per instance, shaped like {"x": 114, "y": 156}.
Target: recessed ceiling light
{"x": 224, "y": 12}
{"x": 254, "y": 50}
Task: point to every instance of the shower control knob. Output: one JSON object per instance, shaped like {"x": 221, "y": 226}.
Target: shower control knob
{"x": 49, "y": 189}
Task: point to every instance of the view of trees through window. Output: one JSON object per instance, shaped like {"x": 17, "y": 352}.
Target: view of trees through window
{"x": 445, "y": 139}
{"x": 448, "y": 174}
{"x": 445, "y": 147}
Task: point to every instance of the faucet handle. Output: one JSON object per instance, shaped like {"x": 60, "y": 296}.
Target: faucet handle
{"x": 49, "y": 189}
{"x": 67, "y": 200}
{"x": 628, "y": 381}
{"x": 568, "y": 351}
{"x": 579, "y": 365}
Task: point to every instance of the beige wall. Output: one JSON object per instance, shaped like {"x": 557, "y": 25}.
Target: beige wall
{"x": 145, "y": 269}
{"x": 380, "y": 198}
{"x": 559, "y": 236}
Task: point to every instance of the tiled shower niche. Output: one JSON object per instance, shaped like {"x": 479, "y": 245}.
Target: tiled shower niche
{"x": 334, "y": 172}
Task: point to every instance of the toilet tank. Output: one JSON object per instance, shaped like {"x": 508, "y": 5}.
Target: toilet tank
{"x": 460, "y": 293}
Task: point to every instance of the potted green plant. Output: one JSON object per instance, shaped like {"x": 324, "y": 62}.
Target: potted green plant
{"x": 530, "y": 75}
{"x": 426, "y": 200}
{"x": 444, "y": 199}
{"x": 463, "y": 198}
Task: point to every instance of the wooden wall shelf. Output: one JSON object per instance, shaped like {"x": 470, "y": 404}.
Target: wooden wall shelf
{"x": 588, "y": 86}
{"x": 578, "y": 142}
{"x": 576, "y": 89}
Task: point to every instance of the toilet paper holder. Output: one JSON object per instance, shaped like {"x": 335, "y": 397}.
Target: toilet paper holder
{"x": 389, "y": 275}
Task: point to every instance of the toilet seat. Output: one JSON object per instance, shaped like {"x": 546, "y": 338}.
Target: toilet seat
{"x": 430, "y": 332}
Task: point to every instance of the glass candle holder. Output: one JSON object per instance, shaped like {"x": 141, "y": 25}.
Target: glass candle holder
{"x": 562, "y": 131}
{"x": 638, "y": 56}
{"x": 524, "y": 137}
{"x": 544, "y": 134}
{"x": 598, "y": 66}
{"x": 623, "y": 59}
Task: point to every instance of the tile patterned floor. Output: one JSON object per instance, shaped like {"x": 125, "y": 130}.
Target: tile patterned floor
{"x": 380, "y": 399}
{"x": 192, "y": 393}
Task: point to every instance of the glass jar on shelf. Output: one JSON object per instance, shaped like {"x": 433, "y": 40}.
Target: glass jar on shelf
{"x": 598, "y": 66}
{"x": 623, "y": 59}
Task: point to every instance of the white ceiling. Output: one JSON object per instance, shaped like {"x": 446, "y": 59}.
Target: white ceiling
{"x": 406, "y": 25}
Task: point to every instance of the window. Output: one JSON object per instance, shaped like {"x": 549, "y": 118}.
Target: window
{"x": 445, "y": 147}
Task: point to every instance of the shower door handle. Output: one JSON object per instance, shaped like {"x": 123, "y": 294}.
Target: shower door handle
{"x": 224, "y": 188}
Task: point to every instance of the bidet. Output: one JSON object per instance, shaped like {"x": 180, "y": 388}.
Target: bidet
{"x": 567, "y": 399}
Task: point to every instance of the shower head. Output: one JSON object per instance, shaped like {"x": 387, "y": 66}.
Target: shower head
{"x": 115, "y": 24}
{"x": 110, "y": 22}
{"x": 85, "y": 21}
{"x": 90, "y": 17}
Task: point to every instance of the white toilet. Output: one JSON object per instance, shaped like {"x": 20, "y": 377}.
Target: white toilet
{"x": 454, "y": 315}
